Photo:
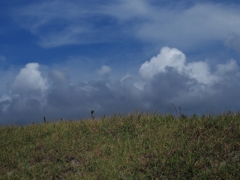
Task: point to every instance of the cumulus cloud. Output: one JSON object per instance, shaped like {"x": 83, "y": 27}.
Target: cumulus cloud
{"x": 30, "y": 78}
{"x": 200, "y": 71}
{"x": 166, "y": 78}
{"x": 166, "y": 58}
{"x": 175, "y": 59}
{"x": 71, "y": 89}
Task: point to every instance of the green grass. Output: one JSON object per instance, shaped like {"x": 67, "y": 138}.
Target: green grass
{"x": 136, "y": 146}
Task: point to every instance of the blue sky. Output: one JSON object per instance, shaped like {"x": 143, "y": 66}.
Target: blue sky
{"x": 61, "y": 59}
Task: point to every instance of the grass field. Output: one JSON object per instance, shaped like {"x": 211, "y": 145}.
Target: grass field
{"x": 137, "y": 146}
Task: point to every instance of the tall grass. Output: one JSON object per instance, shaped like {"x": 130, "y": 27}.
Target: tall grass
{"x": 137, "y": 146}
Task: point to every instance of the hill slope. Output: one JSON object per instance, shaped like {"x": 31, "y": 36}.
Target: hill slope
{"x": 138, "y": 146}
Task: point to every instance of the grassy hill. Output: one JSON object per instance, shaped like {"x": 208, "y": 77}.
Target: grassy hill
{"x": 137, "y": 146}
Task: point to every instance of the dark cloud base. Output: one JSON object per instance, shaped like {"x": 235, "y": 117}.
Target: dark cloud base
{"x": 109, "y": 97}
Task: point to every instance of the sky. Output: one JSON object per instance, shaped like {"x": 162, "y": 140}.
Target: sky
{"x": 64, "y": 58}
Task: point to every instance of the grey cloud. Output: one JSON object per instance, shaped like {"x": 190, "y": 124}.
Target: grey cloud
{"x": 172, "y": 87}
{"x": 76, "y": 101}
{"x": 71, "y": 101}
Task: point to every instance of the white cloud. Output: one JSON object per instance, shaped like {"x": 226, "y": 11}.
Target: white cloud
{"x": 104, "y": 70}
{"x": 166, "y": 58}
{"x": 199, "y": 71}
{"x": 29, "y": 78}
{"x": 26, "y": 92}
{"x": 181, "y": 27}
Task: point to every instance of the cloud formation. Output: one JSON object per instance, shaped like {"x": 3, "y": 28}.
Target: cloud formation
{"x": 164, "y": 79}
{"x": 29, "y": 78}
{"x": 166, "y": 58}
{"x": 185, "y": 27}
{"x": 199, "y": 71}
